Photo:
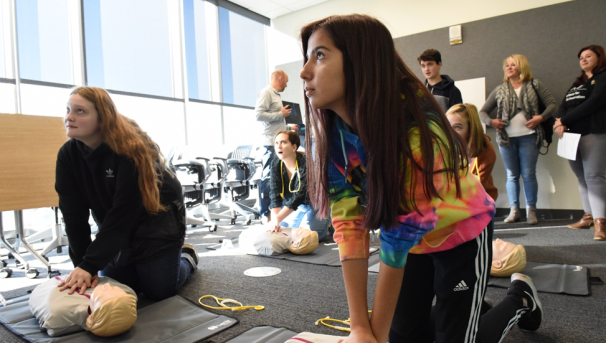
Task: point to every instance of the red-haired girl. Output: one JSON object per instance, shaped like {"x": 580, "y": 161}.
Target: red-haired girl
{"x": 112, "y": 168}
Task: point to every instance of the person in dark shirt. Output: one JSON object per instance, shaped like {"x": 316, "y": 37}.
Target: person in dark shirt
{"x": 583, "y": 111}
{"x": 112, "y": 168}
{"x": 441, "y": 86}
{"x": 290, "y": 205}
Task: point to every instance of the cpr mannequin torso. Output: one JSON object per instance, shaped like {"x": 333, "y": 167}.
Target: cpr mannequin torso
{"x": 259, "y": 241}
{"x": 61, "y": 313}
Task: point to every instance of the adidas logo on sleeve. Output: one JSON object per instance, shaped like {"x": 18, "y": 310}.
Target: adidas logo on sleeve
{"x": 462, "y": 286}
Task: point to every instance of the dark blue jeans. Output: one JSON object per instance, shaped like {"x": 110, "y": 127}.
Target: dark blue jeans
{"x": 158, "y": 279}
{"x": 305, "y": 217}
{"x": 265, "y": 185}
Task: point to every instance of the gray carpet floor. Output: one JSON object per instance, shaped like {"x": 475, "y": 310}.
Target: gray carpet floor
{"x": 303, "y": 293}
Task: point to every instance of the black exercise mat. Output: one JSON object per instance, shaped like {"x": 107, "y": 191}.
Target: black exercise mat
{"x": 325, "y": 254}
{"x": 175, "y": 319}
{"x": 552, "y": 278}
{"x": 264, "y": 334}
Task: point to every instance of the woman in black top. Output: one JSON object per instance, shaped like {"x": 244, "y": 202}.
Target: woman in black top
{"x": 583, "y": 111}
{"x": 112, "y": 169}
{"x": 290, "y": 205}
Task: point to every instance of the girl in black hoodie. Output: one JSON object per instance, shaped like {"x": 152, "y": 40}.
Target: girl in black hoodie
{"x": 112, "y": 169}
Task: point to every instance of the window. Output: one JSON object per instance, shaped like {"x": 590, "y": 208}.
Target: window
{"x": 243, "y": 60}
{"x": 196, "y": 49}
{"x": 242, "y": 127}
{"x": 7, "y": 94}
{"x": 204, "y": 128}
{"x": 42, "y": 100}
{"x": 163, "y": 120}
{"x": 128, "y": 45}
{"x": 3, "y": 72}
{"x": 43, "y": 40}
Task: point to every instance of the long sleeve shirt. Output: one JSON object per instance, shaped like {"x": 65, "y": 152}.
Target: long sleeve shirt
{"x": 106, "y": 184}
{"x": 268, "y": 112}
{"x": 482, "y": 167}
{"x": 282, "y": 184}
{"x": 508, "y": 105}
{"x": 583, "y": 109}
{"x": 444, "y": 222}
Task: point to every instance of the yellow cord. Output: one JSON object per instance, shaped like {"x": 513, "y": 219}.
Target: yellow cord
{"x": 222, "y": 302}
{"x": 340, "y": 328}
{"x": 293, "y": 176}
{"x": 475, "y": 169}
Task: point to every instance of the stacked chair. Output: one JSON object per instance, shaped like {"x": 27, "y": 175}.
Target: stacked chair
{"x": 241, "y": 177}
{"x": 220, "y": 182}
{"x": 202, "y": 181}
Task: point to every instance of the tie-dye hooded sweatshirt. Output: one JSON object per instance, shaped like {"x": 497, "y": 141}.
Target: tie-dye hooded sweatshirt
{"x": 444, "y": 223}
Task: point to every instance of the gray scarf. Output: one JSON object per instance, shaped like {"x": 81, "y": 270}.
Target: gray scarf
{"x": 508, "y": 105}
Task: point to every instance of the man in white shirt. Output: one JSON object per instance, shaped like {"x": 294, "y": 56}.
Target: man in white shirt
{"x": 271, "y": 112}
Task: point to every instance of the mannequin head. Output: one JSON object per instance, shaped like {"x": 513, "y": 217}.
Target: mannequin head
{"x": 113, "y": 311}
{"x": 304, "y": 241}
{"x": 507, "y": 258}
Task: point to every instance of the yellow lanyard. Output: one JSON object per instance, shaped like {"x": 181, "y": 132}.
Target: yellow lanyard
{"x": 293, "y": 176}
{"x": 222, "y": 302}
{"x": 340, "y": 328}
{"x": 475, "y": 169}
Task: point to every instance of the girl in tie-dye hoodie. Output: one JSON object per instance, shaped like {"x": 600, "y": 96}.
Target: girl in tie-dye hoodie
{"x": 385, "y": 157}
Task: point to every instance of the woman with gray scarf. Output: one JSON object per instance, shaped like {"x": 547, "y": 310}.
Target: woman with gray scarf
{"x": 519, "y": 133}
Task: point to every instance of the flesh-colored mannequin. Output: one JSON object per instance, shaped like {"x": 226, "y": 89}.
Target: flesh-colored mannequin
{"x": 500, "y": 249}
{"x": 303, "y": 241}
{"x": 507, "y": 258}
{"x": 298, "y": 241}
{"x": 102, "y": 294}
{"x": 106, "y": 310}
{"x": 113, "y": 311}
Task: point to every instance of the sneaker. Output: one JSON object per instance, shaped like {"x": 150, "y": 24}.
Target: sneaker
{"x": 189, "y": 253}
{"x": 522, "y": 285}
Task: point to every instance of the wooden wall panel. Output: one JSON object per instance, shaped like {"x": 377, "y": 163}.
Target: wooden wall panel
{"x": 28, "y": 154}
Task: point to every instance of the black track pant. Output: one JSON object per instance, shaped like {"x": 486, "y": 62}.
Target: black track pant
{"x": 457, "y": 278}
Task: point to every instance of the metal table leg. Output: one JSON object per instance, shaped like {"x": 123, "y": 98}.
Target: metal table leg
{"x": 58, "y": 239}
{"x": 21, "y": 238}
{"x": 9, "y": 247}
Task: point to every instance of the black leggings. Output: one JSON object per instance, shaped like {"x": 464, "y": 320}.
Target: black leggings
{"x": 157, "y": 279}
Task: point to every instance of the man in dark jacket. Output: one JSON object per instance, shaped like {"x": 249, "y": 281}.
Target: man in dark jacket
{"x": 441, "y": 86}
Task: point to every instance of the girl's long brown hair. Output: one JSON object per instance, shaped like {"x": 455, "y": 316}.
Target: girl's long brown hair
{"x": 383, "y": 101}
{"x": 124, "y": 136}
{"x": 598, "y": 50}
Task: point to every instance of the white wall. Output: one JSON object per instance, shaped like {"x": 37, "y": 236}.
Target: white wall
{"x": 406, "y": 17}
{"x": 402, "y": 17}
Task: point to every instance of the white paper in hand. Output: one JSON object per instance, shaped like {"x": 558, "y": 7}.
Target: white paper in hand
{"x": 568, "y": 144}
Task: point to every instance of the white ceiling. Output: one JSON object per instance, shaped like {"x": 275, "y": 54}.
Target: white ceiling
{"x": 275, "y": 8}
